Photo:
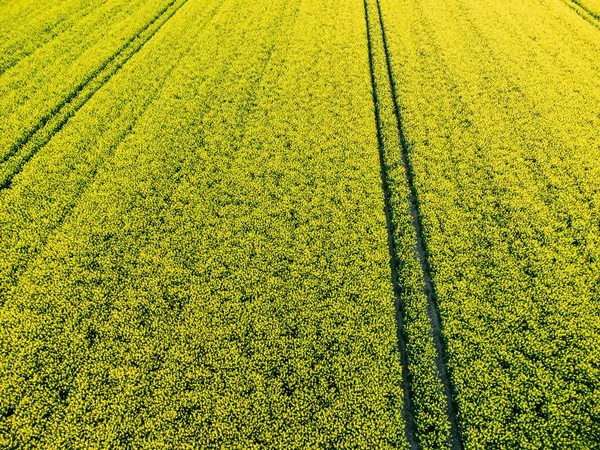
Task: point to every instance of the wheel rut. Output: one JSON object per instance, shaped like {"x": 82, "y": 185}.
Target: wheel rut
{"x": 584, "y": 13}
{"x": 38, "y": 136}
{"x": 421, "y": 250}
{"x": 407, "y": 413}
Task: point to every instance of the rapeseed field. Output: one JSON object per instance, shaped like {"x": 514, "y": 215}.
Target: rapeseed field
{"x": 296, "y": 224}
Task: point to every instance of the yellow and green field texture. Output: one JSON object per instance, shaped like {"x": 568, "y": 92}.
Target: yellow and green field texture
{"x": 299, "y": 224}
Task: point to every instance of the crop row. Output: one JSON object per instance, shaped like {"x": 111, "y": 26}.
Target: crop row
{"x": 198, "y": 257}
{"x": 85, "y": 153}
{"x": 41, "y": 134}
{"x": 48, "y": 188}
{"x": 499, "y": 110}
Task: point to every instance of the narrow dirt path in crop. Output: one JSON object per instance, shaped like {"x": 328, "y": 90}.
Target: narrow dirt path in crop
{"x": 408, "y": 414}
{"x": 420, "y": 247}
{"x": 36, "y": 138}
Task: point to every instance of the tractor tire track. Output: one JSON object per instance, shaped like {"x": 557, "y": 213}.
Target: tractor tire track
{"x": 26, "y": 147}
{"x": 421, "y": 249}
{"x": 584, "y": 13}
{"x": 69, "y": 207}
{"x": 407, "y": 413}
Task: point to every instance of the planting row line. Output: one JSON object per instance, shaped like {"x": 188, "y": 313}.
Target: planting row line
{"x": 41, "y": 85}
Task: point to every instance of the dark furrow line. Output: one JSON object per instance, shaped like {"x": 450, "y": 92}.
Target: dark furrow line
{"x": 586, "y": 9}
{"x": 407, "y": 412}
{"x": 583, "y": 12}
{"x": 423, "y": 255}
{"x": 54, "y": 121}
{"x": 93, "y": 174}
{"x": 69, "y": 208}
{"x": 45, "y": 119}
{"x": 68, "y": 211}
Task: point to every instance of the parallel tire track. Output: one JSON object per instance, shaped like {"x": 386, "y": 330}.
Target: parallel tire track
{"x": 36, "y": 138}
{"x": 420, "y": 244}
{"x": 589, "y": 16}
{"x": 69, "y": 208}
{"x": 408, "y": 415}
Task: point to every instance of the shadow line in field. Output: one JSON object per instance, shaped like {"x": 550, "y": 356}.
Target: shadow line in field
{"x": 583, "y": 12}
